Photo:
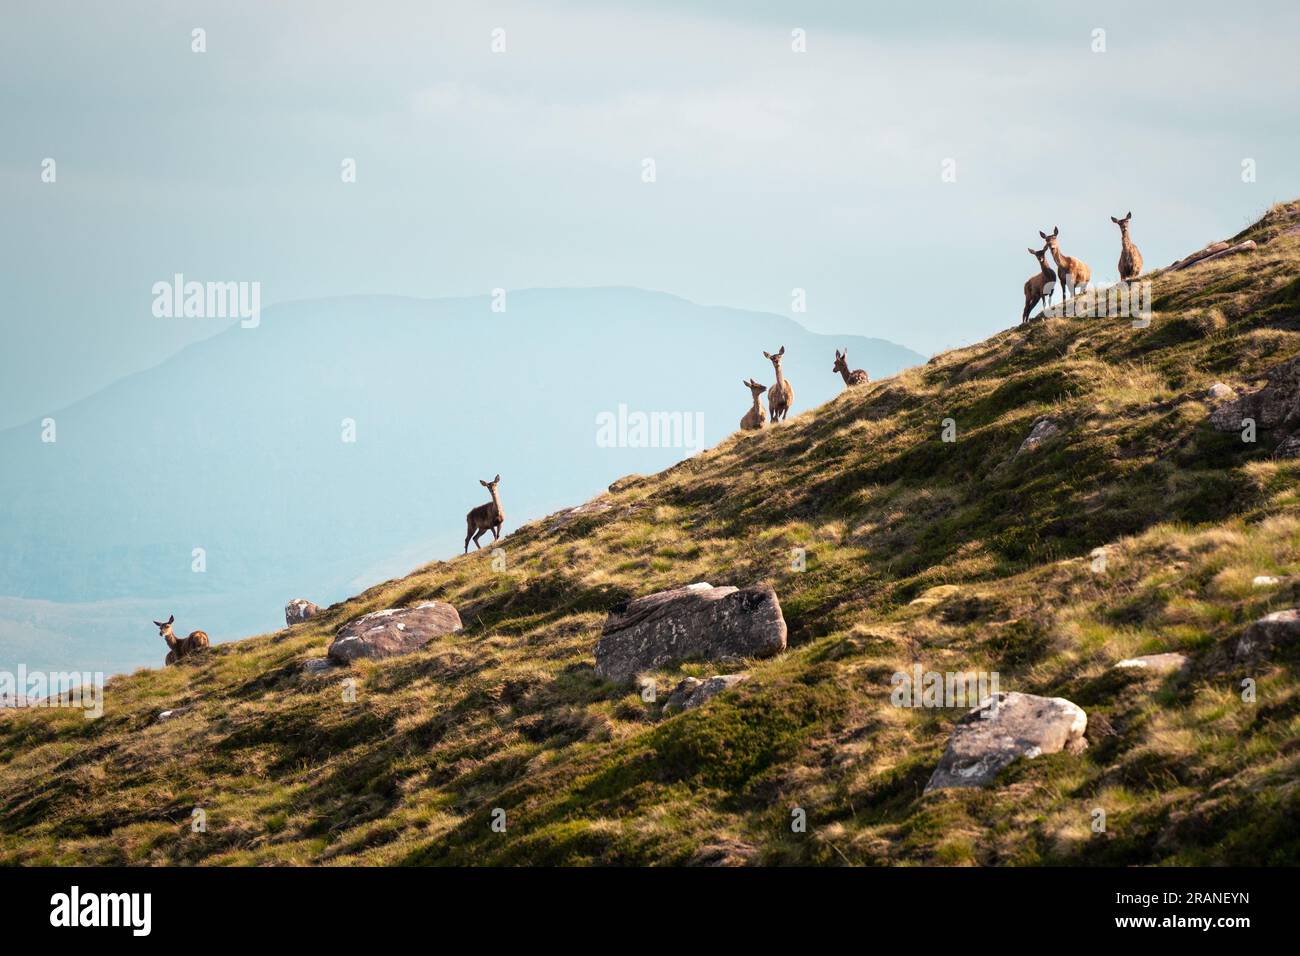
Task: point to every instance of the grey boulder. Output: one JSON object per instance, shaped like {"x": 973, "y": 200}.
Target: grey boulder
{"x": 698, "y": 622}
{"x": 299, "y": 610}
{"x": 1003, "y": 729}
{"x": 394, "y": 631}
{"x": 1275, "y": 405}
{"x": 1264, "y": 636}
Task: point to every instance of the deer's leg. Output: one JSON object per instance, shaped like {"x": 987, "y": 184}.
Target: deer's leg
{"x": 469, "y": 530}
{"x": 478, "y": 535}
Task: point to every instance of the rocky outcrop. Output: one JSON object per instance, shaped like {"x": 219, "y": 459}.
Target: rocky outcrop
{"x": 1155, "y": 663}
{"x": 692, "y": 692}
{"x": 1275, "y": 406}
{"x": 1261, "y": 640}
{"x": 1003, "y": 729}
{"x": 299, "y": 610}
{"x": 690, "y": 623}
{"x": 1216, "y": 250}
{"x": 394, "y": 631}
{"x": 318, "y": 665}
{"x": 1044, "y": 429}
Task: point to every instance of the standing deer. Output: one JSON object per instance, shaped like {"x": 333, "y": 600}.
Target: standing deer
{"x": 197, "y": 641}
{"x": 754, "y": 418}
{"x": 780, "y": 395}
{"x": 1073, "y": 273}
{"x": 1130, "y": 260}
{"x": 1039, "y": 288}
{"x": 485, "y": 517}
{"x": 856, "y": 377}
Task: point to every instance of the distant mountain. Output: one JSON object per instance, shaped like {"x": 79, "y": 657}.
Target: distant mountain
{"x": 236, "y": 446}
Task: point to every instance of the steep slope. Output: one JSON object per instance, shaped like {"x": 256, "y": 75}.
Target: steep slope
{"x": 236, "y": 446}
{"x": 510, "y": 714}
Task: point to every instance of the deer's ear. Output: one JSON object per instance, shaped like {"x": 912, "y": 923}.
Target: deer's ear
{"x": 782, "y": 352}
{"x": 496, "y": 479}
{"x": 1056, "y": 230}
{"x": 172, "y": 619}
{"x": 1032, "y": 252}
{"x": 482, "y": 482}
{"x": 766, "y": 354}
{"x": 1043, "y": 234}
{"x": 157, "y": 623}
{"x": 1129, "y": 216}
{"x": 1114, "y": 220}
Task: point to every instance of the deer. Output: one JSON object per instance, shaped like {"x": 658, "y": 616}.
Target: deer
{"x": 180, "y": 647}
{"x": 488, "y": 517}
{"x": 755, "y": 417}
{"x": 1130, "y": 260}
{"x": 855, "y": 377}
{"x": 1039, "y": 288}
{"x": 780, "y": 395}
{"x": 1073, "y": 273}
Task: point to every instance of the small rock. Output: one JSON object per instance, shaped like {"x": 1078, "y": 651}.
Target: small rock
{"x": 1003, "y": 729}
{"x": 694, "y": 622}
{"x": 299, "y": 610}
{"x": 174, "y": 712}
{"x": 1219, "y": 392}
{"x": 394, "y": 631}
{"x": 724, "y": 853}
{"x": 936, "y": 594}
{"x": 1264, "y": 636}
{"x": 1156, "y": 663}
{"x": 1044, "y": 429}
{"x": 318, "y": 665}
{"x": 692, "y": 692}
{"x": 1265, "y": 581}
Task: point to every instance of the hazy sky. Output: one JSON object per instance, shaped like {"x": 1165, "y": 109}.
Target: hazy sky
{"x": 775, "y": 169}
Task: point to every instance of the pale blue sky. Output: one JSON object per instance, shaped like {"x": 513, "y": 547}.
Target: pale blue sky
{"x": 775, "y": 170}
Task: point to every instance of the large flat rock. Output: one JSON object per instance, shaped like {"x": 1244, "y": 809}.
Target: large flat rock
{"x": 699, "y": 622}
{"x": 399, "y": 630}
{"x": 1003, "y": 729}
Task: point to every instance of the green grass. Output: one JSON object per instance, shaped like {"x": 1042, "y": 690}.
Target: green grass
{"x": 509, "y": 715}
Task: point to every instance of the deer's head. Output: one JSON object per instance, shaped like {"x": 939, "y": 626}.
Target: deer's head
{"x": 776, "y": 359}
{"x": 165, "y": 630}
{"x": 755, "y": 389}
{"x": 491, "y": 485}
{"x": 1122, "y": 223}
{"x": 1051, "y": 240}
{"x": 841, "y": 361}
{"x": 1040, "y": 255}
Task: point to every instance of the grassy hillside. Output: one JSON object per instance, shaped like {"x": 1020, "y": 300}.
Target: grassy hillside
{"x": 510, "y": 714}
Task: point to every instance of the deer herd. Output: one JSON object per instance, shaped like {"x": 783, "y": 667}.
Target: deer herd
{"x": 1073, "y": 274}
{"x": 1070, "y": 273}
